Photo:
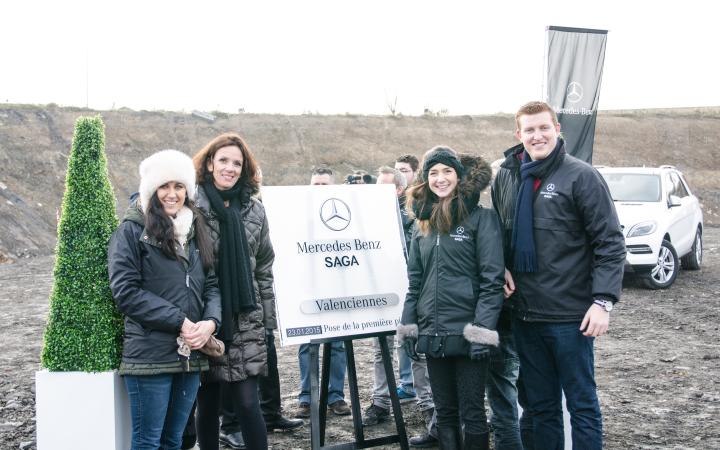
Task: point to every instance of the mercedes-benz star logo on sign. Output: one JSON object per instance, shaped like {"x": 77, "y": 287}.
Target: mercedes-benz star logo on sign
{"x": 574, "y": 92}
{"x": 335, "y": 214}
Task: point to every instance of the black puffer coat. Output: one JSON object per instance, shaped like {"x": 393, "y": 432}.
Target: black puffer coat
{"x": 155, "y": 294}
{"x": 247, "y": 355}
{"x": 456, "y": 279}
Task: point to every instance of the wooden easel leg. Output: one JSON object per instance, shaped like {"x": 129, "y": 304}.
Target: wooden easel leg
{"x": 354, "y": 396}
{"x": 390, "y": 375}
{"x": 314, "y": 401}
{"x": 327, "y": 352}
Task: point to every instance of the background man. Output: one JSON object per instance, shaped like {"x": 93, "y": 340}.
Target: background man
{"x": 408, "y": 166}
{"x": 379, "y": 410}
{"x": 566, "y": 255}
{"x": 338, "y": 363}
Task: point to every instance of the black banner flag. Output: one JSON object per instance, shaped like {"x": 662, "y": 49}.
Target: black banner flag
{"x": 575, "y": 59}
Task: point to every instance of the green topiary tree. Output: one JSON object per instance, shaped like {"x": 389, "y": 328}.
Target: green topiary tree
{"x": 84, "y": 330}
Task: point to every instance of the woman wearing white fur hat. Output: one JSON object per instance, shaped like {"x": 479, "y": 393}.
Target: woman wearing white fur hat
{"x": 456, "y": 273}
{"x": 160, "y": 262}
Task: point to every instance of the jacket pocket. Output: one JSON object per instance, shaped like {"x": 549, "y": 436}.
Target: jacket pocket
{"x": 568, "y": 225}
{"x": 133, "y": 328}
{"x": 460, "y": 289}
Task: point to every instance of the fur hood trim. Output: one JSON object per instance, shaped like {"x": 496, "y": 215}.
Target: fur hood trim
{"x": 480, "y": 335}
{"x": 407, "y": 331}
{"x": 478, "y": 174}
{"x": 164, "y": 166}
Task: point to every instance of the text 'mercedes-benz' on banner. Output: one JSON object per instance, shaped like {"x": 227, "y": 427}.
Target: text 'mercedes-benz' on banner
{"x": 575, "y": 58}
{"x": 340, "y": 265}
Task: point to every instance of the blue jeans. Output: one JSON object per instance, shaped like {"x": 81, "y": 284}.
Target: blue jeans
{"x": 557, "y": 358}
{"x": 159, "y": 408}
{"x": 338, "y": 365}
{"x": 406, "y": 372}
{"x": 502, "y": 393}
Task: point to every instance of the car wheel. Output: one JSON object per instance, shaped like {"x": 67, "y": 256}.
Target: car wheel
{"x": 663, "y": 274}
{"x": 692, "y": 260}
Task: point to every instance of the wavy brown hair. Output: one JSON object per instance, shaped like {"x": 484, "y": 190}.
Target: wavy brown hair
{"x": 249, "y": 175}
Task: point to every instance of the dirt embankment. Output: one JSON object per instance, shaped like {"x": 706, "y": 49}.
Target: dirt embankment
{"x": 35, "y": 142}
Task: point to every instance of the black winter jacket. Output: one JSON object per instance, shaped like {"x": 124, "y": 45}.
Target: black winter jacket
{"x": 456, "y": 280}
{"x": 579, "y": 246}
{"x": 155, "y": 294}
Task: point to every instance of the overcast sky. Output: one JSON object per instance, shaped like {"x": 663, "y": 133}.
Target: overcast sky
{"x": 335, "y": 56}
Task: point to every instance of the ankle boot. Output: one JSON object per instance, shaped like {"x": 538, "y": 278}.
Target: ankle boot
{"x": 449, "y": 438}
{"x": 430, "y": 421}
{"x": 476, "y": 441}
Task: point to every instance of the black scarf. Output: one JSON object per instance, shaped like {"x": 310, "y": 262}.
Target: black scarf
{"x": 234, "y": 274}
{"x": 523, "y": 239}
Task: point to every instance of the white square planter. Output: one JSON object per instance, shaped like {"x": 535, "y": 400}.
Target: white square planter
{"x": 79, "y": 410}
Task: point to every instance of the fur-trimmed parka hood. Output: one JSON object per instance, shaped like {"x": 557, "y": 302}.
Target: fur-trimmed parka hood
{"x": 478, "y": 174}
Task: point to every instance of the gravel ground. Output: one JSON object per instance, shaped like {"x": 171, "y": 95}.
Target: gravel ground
{"x": 657, "y": 370}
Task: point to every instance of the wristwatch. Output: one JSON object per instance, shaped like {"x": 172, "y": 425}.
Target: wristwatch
{"x": 607, "y": 305}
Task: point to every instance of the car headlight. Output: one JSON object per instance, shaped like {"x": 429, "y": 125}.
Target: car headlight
{"x": 642, "y": 229}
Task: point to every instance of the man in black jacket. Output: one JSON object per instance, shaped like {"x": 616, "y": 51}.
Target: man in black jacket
{"x": 565, "y": 254}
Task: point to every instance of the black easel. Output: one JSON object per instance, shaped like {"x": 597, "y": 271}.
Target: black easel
{"x": 318, "y": 407}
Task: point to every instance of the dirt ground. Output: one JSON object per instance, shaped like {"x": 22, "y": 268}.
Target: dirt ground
{"x": 658, "y": 369}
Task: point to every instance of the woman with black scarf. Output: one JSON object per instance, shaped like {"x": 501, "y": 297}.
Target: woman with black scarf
{"x": 228, "y": 178}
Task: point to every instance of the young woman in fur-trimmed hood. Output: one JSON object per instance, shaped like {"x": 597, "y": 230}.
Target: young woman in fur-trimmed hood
{"x": 456, "y": 272}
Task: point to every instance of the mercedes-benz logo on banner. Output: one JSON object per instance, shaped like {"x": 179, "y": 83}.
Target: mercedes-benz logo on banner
{"x": 574, "y": 92}
{"x": 335, "y": 214}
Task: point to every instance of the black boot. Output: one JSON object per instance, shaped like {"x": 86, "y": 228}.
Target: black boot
{"x": 449, "y": 438}
{"x": 427, "y": 439}
{"x": 476, "y": 441}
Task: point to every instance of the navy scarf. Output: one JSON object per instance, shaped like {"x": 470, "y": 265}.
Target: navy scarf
{"x": 523, "y": 240}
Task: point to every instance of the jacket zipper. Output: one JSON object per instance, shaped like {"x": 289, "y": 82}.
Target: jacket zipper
{"x": 186, "y": 360}
{"x": 437, "y": 279}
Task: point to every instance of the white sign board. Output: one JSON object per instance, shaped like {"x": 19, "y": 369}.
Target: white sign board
{"x": 339, "y": 267}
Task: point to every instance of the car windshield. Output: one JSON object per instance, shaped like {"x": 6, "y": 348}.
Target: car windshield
{"x": 633, "y": 187}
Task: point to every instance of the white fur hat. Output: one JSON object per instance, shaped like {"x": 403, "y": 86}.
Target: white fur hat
{"x": 164, "y": 166}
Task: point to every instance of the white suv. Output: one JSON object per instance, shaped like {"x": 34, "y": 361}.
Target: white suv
{"x": 661, "y": 220}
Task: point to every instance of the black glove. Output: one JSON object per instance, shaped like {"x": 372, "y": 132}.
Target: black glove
{"x": 409, "y": 347}
{"x": 481, "y": 352}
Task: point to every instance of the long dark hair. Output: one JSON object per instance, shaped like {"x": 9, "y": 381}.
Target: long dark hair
{"x": 159, "y": 225}
{"x": 446, "y": 212}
